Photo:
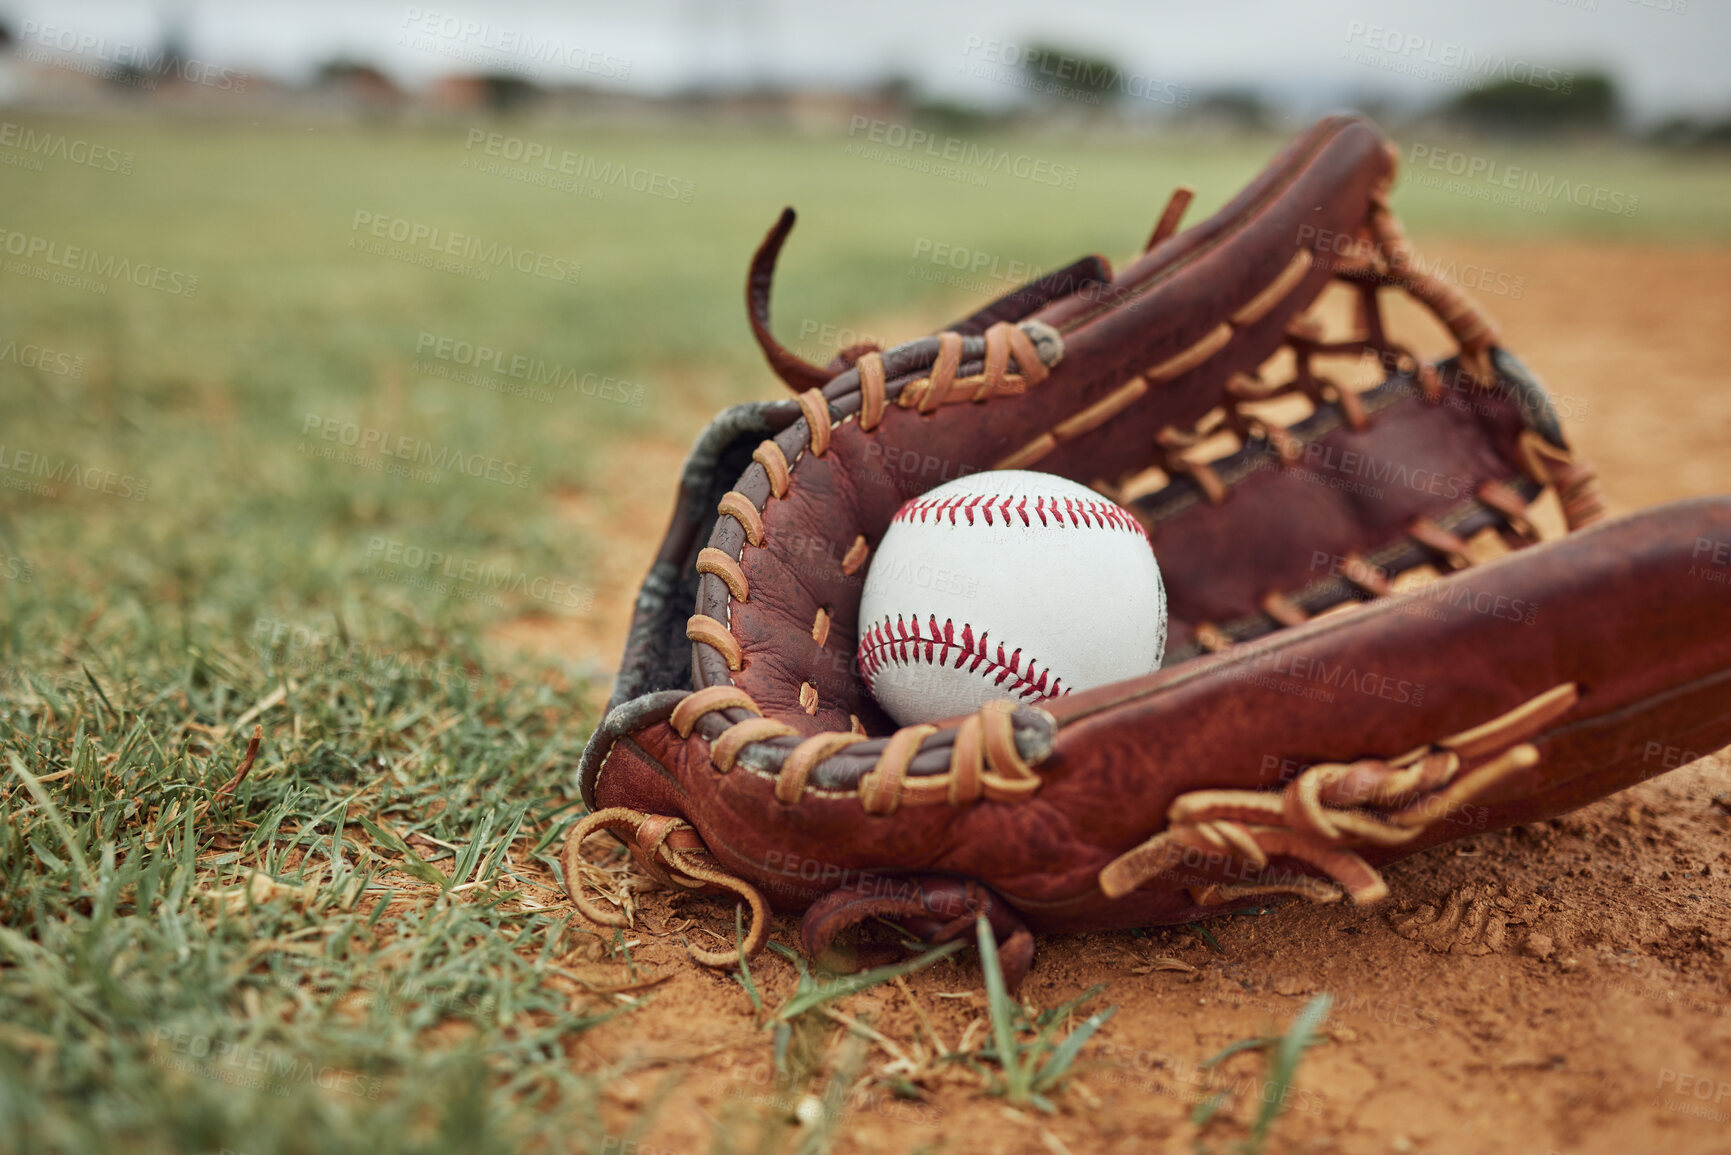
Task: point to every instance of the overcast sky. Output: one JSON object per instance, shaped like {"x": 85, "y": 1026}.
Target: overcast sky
{"x": 1312, "y": 52}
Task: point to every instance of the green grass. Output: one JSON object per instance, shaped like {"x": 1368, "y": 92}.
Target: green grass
{"x": 291, "y": 968}
{"x": 1031, "y": 1070}
{"x": 185, "y": 972}
{"x": 1284, "y": 1053}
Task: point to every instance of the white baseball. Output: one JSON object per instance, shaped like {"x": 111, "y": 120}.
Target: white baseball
{"x": 1010, "y": 584}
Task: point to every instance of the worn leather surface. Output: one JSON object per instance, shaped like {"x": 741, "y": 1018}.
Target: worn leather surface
{"x": 1622, "y": 610}
{"x": 1627, "y": 610}
{"x": 1291, "y": 525}
{"x": 1156, "y": 307}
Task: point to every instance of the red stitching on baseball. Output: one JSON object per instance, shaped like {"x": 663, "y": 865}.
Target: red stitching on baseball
{"x": 887, "y": 642}
{"x": 1069, "y": 512}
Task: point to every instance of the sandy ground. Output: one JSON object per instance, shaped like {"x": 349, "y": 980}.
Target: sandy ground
{"x": 1554, "y": 988}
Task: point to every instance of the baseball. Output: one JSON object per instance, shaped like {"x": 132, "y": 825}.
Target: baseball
{"x": 1011, "y": 584}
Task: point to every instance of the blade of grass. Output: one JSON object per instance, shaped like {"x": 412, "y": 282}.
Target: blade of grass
{"x": 852, "y": 984}
{"x": 1239, "y": 1047}
{"x": 52, "y": 812}
{"x": 1002, "y": 1013}
{"x": 1206, "y": 936}
{"x": 1065, "y": 1052}
{"x": 1283, "y": 1066}
{"x": 744, "y": 972}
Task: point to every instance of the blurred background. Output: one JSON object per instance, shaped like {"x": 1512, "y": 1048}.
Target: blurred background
{"x": 349, "y": 351}
{"x": 251, "y": 233}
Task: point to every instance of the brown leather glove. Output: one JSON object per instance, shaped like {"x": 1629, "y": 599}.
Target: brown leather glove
{"x": 1281, "y": 750}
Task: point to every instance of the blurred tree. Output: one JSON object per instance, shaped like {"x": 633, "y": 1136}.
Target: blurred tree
{"x": 505, "y": 93}
{"x": 1692, "y": 132}
{"x": 360, "y": 83}
{"x": 342, "y": 70}
{"x": 897, "y": 90}
{"x": 956, "y": 119}
{"x": 1241, "y": 109}
{"x": 1562, "y": 100}
{"x": 1068, "y": 74}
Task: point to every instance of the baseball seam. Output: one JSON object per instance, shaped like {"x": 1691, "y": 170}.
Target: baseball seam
{"x": 896, "y": 642}
{"x": 1049, "y": 511}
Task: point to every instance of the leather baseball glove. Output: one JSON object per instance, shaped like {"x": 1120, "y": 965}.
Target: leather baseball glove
{"x": 1324, "y": 709}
